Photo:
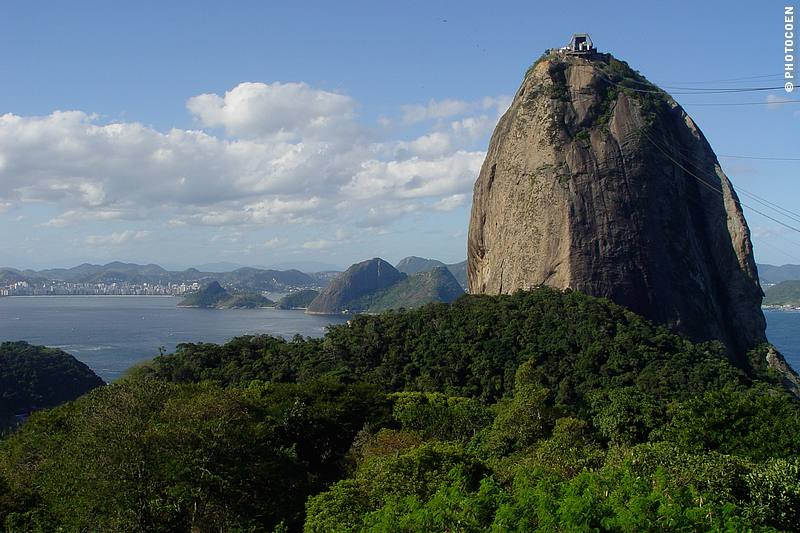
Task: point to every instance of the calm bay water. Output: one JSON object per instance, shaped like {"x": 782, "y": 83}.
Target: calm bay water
{"x": 783, "y": 330}
{"x": 112, "y": 333}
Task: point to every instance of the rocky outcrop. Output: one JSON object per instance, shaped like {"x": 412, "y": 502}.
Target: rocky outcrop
{"x": 346, "y": 292}
{"x": 598, "y": 181}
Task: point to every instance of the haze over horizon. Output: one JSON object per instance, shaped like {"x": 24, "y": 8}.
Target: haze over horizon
{"x": 258, "y": 136}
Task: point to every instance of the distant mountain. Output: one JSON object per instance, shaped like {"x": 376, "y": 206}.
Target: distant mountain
{"x": 214, "y": 296}
{"x": 35, "y": 377}
{"x": 208, "y": 297}
{"x": 256, "y": 280}
{"x": 357, "y": 282}
{"x": 459, "y": 271}
{"x": 297, "y": 300}
{"x": 784, "y": 293}
{"x": 413, "y": 264}
{"x": 10, "y": 275}
{"x": 222, "y": 266}
{"x": 437, "y": 285}
{"x": 375, "y": 285}
{"x": 324, "y": 277}
{"x": 245, "y": 301}
{"x": 304, "y": 266}
{"x": 246, "y": 279}
{"x": 109, "y": 273}
{"x": 769, "y": 274}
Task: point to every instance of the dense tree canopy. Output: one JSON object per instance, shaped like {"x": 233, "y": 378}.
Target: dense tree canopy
{"x": 542, "y": 411}
{"x": 33, "y": 377}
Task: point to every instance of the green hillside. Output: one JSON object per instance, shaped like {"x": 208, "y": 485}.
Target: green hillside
{"x": 539, "y": 411}
{"x": 414, "y": 265}
{"x": 297, "y": 300}
{"x": 35, "y": 377}
{"x": 245, "y": 301}
{"x": 214, "y": 296}
{"x": 784, "y": 293}
{"x": 459, "y": 271}
{"x": 436, "y": 285}
{"x": 375, "y": 285}
{"x": 208, "y": 297}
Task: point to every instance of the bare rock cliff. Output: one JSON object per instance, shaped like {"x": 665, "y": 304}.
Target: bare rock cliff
{"x": 598, "y": 181}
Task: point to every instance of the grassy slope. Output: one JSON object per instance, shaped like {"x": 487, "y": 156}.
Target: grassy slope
{"x": 784, "y": 293}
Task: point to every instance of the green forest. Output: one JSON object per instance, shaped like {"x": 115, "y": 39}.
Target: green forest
{"x": 33, "y": 377}
{"x": 539, "y": 411}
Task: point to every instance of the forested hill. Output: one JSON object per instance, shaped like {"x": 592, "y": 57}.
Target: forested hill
{"x": 472, "y": 348}
{"x": 543, "y": 410}
{"x": 35, "y": 377}
{"x": 785, "y": 293}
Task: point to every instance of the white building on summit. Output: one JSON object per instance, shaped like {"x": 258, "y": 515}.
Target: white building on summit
{"x": 580, "y": 45}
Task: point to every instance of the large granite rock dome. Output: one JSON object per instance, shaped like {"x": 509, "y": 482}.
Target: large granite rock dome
{"x": 598, "y": 181}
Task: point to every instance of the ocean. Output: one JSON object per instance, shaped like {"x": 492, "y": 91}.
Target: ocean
{"x": 113, "y": 333}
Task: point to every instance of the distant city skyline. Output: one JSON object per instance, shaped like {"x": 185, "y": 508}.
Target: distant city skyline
{"x": 260, "y": 134}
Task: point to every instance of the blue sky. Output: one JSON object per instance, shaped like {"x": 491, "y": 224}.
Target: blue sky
{"x": 263, "y": 132}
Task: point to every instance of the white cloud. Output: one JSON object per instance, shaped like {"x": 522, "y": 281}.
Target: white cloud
{"x": 431, "y": 145}
{"x": 116, "y": 238}
{"x": 319, "y": 244}
{"x": 293, "y": 155}
{"x": 416, "y": 177}
{"x": 73, "y": 216}
{"x": 441, "y": 109}
{"x": 775, "y": 102}
{"x": 285, "y": 111}
{"x": 339, "y": 238}
{"x": 434, "y": 109}
{"x": 384, "y": 214}
{"x": 448, "y": 203}
{"x": 275, "y": 242}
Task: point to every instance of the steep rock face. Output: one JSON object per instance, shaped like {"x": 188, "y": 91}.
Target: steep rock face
{"x": 598, "y": 181}
{"x": 358, "y": 281}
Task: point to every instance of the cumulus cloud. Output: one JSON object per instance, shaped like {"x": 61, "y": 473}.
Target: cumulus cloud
{"x": 434, "y": 109}
{"x": 116, "y": 238}
{"x": 448, "y": 203}
{"x": 441, "y": 109}
{"x": 292, "y": 154}
{"x": 285, "y": 111}
{"x": 416, "y": 177}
